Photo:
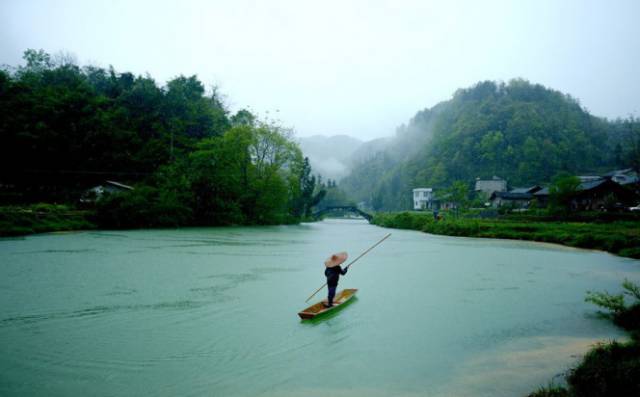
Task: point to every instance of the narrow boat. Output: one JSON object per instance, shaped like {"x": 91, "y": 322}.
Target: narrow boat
{"x": 317, "y": 309}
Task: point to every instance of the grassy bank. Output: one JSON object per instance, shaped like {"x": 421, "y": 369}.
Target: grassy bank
{"x": 611, "y": 368}
{"x": 618, "y": 237}
{"x": 40, "y": 218}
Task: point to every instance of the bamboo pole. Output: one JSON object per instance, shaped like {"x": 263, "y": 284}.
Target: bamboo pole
{"x": 352, "y": 262}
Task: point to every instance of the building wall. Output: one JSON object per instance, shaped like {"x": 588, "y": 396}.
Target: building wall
{"x": 490, "y": 186}
{"x": 422, "y": 198}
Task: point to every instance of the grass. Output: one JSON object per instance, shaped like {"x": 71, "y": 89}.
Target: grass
{"x": 40, "y": 218}
{"x": 621, "y": 237}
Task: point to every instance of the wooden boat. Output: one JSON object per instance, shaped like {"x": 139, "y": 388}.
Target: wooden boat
{"x": 317, "y": 309}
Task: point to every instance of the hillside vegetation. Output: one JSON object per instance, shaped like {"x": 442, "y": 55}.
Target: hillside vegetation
{"x": 64, "y": 129}
{"x": 523, "y": 132}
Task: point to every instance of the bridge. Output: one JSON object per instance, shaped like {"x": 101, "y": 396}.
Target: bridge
{"x": 348, "y": 208}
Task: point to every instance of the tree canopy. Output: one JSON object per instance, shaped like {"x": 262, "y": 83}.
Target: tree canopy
{"x": 65, "y": 128}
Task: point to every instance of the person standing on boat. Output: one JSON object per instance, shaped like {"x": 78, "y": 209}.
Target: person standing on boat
{"x": 333, "y": 272}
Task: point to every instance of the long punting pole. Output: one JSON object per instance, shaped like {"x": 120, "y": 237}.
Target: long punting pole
{"x": 352, "y": 262}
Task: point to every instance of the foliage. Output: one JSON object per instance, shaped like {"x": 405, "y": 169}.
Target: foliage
{"x": 241, "y": 177}
{"x": 65, "y": 129}
{"x": 631, "y": 132}
{"x": 623, "y": 315}
{"x": 614, "y": 303}
{"x": 310, "y": 194}
{"x": 619, "y": 237}
{"x": 38, "y": 218}
{"x": 143, "y": 207}
{"x": 458, "y": 193}
{"x": 335, "y": 197}
{"x": 551, "y": 391}
{"x": 520, "y": 131}
{"x": 561, "y": 191}
{"x": 611, "y": 369}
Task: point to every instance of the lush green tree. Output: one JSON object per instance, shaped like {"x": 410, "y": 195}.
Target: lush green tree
{"x": 561, "y": 192}
{"x": 243, "y": 117}
{"x": 459, "y": 194}
{"x": 65, "y": 128}
{"x": 632, "y": 138}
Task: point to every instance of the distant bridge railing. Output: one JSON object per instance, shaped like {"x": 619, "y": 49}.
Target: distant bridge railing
{"x": 348, "y": 208}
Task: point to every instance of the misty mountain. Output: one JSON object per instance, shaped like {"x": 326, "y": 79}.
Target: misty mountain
{"x": 367, "y": 150}
{"x": 523, "y": 132}
{"x": 330, "y": 156}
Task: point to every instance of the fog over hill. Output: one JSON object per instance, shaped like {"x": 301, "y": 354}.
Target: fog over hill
{"x": 330, "y": 156}
{"x": 523, "y": 132}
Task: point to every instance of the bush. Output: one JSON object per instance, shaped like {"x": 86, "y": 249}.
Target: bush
{"x": 551, "y": 391}
{"x": 39, "y": 218}
{"x": 611, "y": 369}
{"x": 143, "y": 207}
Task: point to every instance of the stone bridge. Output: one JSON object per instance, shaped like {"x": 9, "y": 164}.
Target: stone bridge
{"x": 349, "y": 208}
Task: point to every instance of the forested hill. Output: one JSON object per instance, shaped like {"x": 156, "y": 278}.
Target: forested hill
{"x": 523, "y": 132}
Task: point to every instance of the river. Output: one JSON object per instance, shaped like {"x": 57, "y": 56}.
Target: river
{"x": 213, "y": 312}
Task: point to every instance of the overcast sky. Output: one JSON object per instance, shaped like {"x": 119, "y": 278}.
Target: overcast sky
{"x": 346, "y": 67}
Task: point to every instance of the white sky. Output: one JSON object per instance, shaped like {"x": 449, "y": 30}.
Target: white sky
{"x": 347, "y": 67}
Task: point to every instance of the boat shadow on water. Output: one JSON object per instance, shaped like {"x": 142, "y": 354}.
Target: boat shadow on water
{"x": 329, "y": 314}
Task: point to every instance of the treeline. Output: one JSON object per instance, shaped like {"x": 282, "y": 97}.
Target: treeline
{"x": 65, "y": 128}
{"x": 523, "y": 132}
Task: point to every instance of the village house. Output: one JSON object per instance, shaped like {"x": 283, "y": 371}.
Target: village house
{"x": 488, "y": 186}
{"x": 444, "y": 202}
{"x": 593, "y": 195}
{"x": 515, "y": 198}
{"x": 623, "y": 177}
{"x": 426, "y": 199}
{"x": 423, "y": 199}
{"x": 96, "y": 192}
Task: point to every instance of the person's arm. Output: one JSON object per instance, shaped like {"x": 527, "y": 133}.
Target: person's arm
{"x": 344, "y": 271}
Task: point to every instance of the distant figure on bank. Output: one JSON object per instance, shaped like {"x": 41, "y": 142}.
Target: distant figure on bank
{"x": 333, "y": 272}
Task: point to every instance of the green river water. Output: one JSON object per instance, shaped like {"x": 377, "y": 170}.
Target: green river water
{"x": 213, "y": 312}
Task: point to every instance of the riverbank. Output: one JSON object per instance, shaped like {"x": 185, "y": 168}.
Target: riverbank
{"x": 21, "y": 220}
{"x": 41, "y": 218}
{"x": 617, "y": 237}
{"x": 611, "y": 368}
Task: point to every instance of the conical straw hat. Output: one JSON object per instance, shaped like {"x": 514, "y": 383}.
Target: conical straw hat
{"x": 336, "y": 259}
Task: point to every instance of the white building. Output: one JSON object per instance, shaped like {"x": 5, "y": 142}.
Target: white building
{"x": 423, "y": 198}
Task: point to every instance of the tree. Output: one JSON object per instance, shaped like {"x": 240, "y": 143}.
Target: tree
{"x": 459, "y": 194}
{"x": 561, "y": 193}
{"x": 633, "y": 143}
{"x": 37, "y": 61}
{"x": 64, "y": 128}
{"x": 243, "y": 117}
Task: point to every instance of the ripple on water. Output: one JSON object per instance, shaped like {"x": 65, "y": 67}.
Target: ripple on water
{"x": 162, "y": 322}
{"x": 101, "y": 310}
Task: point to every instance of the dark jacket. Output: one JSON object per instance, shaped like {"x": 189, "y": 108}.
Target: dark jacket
{"x": 333, "y": 274}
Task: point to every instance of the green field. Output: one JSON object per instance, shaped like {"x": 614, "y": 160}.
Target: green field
{"x": 621, "y": 237}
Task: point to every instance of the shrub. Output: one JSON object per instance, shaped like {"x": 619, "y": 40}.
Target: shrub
{"x": 550, "y": 391}
{"x": 143, "y": 207}
{"x": 611, "y": 369}
{"x": 627, "y": 317}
